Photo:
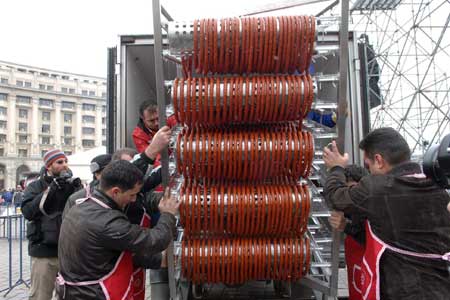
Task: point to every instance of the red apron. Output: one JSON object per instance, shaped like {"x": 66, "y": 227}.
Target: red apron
{"x": 117, "y": 284}
{"x": 139, "y": 273}
{"x": 354, "y": 253}
{"x": 367, "y": 278}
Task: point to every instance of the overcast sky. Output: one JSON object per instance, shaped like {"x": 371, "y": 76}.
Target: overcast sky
{"x": 74, "y": 35}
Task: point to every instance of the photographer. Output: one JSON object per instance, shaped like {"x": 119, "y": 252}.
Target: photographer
{"x": 42, "y": 205}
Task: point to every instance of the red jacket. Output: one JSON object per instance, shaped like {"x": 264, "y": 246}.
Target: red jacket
{"x": 142, "y": 136}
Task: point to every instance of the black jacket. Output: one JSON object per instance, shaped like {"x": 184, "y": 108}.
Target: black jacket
{"x": 42, "y": 206}
{"x": 408, "y": 213}
{"x": 92, "y": 238}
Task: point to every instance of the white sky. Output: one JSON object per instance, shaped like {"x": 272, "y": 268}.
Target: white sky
{"x": 73, "y": 35}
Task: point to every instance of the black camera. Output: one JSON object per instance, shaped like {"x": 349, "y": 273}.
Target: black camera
{"x": 67, "y": 176}
{"x": 436, "y": 163}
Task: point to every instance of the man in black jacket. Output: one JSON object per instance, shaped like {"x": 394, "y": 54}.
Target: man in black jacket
{"x": 97, "y": 240}
{"x": 42, "y": 205}
{"x": 407, "y": 248}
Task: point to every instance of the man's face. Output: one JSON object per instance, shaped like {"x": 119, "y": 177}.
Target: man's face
{"x": 124, "y": 198}
{"x": 151, "y": 119}
{"x": 58, "y": 166}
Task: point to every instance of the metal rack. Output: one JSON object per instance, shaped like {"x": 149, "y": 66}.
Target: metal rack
{"x": 325, "y": 244}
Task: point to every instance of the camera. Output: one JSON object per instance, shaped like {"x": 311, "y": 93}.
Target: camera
{"x": 67, "y": 176}
{"x": 436, "y": 163}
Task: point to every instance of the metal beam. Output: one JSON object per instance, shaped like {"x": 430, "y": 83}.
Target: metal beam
{"x": 161, "y": 100}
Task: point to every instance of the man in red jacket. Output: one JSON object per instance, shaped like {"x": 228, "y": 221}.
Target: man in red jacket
{"x": 148, "y": 125}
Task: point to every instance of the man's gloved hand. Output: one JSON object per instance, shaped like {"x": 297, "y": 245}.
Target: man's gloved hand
{"x": 58, "y": 183}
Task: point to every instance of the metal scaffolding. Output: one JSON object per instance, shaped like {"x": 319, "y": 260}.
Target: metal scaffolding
{"x": 408, "y": 52}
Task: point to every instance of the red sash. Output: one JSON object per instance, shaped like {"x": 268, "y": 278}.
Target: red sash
{"x": 354, "y": 253}
{"x": 139, "y": 273}
{"x": 367, "y": 276}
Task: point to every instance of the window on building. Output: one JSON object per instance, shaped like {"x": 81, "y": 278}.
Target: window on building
{"x": 68, "y": 153}
{"x": 88, "y": 119}
{"x": 68, "y": 105}
{"x": 42, "y": 86}
{"x": 46, "y": 116}
{"x": 68, "y": 118}
{"x": 3, "y": 111}
{"x": 43, "y": 152}
{"x": 19, "y": 82}
{"x": 103, "y": 108}
{"x": 49, "y": 87}
{"x": 88, "y": 143}
{"x": 54, "y": 75}
{"x": 23, "y": 99}
{"x": 88, "y": 130}
{"x": 23, "y": 127}
{"x": 3, "y": 124}
{"x": 67, "y": 141}
{"x": 45, "y": 102}
{"x": 23, "y": 113}
{"x": 104, "y": 131}
{"x": 2, "y": 138}
{"x": 104, "y": 120}
{"x": 64, "y": 90}
{"x": 87, "y": 106}
{"x": 4, "y": 80}
{"x": 23, "y": 139}
{"x": 104, "y": 143}
{"x": 84, "y": 92}
{"x": 65, "y": 77}
{"x": 45, "y": 128}
{"x": 71, "y": 91}
{"x": 23, "y": 152}
{"x": 28, "y": 84}
{"x": 67, "y": 130}
{"x": 91, "y": 93}
{"x": 3, "y": 96}
{"x": 2, "y": 152}
{"x": 45, "y": 140}
{"x": 103, "y": 95}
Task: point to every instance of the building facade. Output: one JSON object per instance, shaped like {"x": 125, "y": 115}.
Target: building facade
{"x": 42, "y": 109}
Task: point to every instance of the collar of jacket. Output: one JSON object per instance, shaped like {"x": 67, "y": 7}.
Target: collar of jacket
{"x": 406, "y": 168}
{"x": 105, "y": 199}
{"x": 141, "y": 125}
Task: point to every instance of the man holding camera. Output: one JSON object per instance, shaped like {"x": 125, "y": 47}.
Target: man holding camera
{"x": 42, "y": 205}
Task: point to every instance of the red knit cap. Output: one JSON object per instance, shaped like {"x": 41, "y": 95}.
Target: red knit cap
{"x": 52, "y": 155}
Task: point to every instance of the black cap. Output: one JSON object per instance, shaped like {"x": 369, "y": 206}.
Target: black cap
{"x": 99, "y": 162}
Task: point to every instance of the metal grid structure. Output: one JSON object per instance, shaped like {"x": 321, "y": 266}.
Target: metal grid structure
{"x": 408, "y": 50}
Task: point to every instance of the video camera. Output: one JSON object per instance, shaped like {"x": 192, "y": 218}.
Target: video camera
{"x": 436, "y": 163}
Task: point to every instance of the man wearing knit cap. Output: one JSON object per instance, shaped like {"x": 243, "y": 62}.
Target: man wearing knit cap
{"x": 42, "y": 205}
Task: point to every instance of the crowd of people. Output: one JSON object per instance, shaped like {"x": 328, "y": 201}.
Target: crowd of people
{"x": 12, "y": 196}
{"x": 97, "y": 240}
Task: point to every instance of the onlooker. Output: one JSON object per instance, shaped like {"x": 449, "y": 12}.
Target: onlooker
{"x": 18, "y": 195}
{"x": 407, "y": 226}
{"x": 42, "y": 205}
{"x": 97, "y": 239}
{"x": 148, "y": 125}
